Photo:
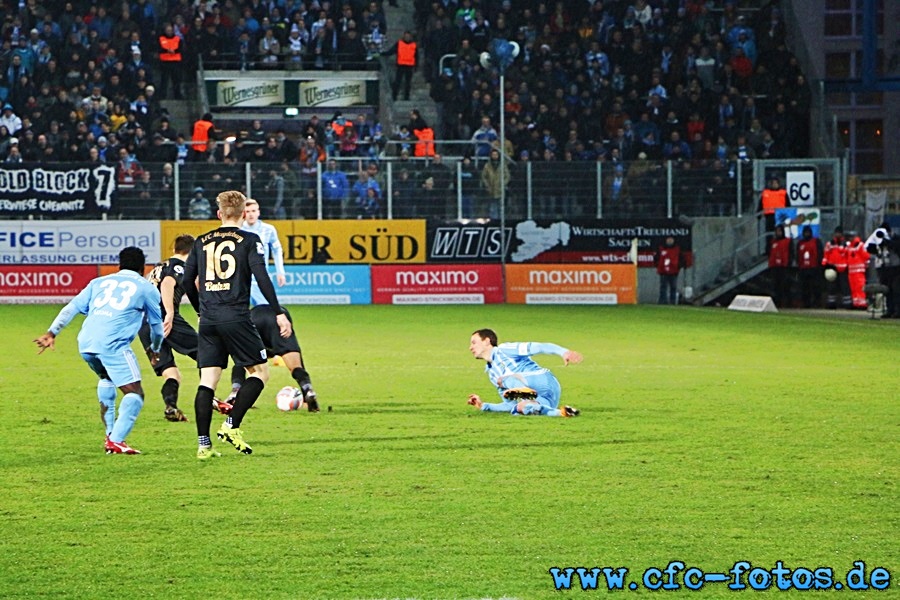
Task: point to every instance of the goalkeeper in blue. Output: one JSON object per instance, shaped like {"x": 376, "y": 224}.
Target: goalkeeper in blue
{"x": 525, "y": 388}
{"x": 115, "y": 306}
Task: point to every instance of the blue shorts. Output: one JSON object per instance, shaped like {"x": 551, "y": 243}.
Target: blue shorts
{"x": 547, "y": 387}
{"x": 119, "y": 367}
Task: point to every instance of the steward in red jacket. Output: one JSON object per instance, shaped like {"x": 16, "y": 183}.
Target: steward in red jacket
{"x": 779, "y": 267}
{"x": 809, "y": 267}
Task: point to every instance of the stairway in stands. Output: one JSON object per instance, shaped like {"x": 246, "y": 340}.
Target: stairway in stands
{"x": 394, "y": 114}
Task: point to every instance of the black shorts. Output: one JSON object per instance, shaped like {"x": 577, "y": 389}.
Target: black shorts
{"x": 182, "y": 339}
{"x": 264, "y": 320}
{"x": 238, "y": 339}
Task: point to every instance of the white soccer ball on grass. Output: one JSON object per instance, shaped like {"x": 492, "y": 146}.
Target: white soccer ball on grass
{"x": 288, "y": 398}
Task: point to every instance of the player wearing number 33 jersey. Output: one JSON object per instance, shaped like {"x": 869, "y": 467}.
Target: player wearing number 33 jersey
{"x": 115, "y": 306}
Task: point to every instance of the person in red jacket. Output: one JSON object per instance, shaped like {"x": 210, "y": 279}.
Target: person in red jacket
{"x": 857, "y": 263}
{"x": 809, "y": 267}
{"x": 835, "y": 259}
{"x": 780, "y": 267}
{"x": 668, "y": 264}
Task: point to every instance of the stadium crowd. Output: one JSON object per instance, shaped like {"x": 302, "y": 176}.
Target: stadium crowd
{"x": 686, "y": 80}
{"x": 708, "y": 84}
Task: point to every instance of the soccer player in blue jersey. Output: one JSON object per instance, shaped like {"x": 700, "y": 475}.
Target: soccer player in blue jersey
{"x": 525, "y": 387}
{"x": 115, "y": 306}
{"x": 269, "y": 236}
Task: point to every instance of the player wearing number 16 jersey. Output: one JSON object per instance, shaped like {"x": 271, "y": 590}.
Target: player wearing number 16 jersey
{"x": 217, "y": 279}
{"x": 115, "y": 306}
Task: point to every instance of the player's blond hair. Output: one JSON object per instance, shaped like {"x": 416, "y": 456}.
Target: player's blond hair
{"x": 231, "y": 204}
{"x": 250, "y": 202}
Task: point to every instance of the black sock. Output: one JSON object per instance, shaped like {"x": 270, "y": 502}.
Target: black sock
{"x": 246, "y": 397}
{"x": 203, "y": 409}
{"x": 170, "y": 392}
{"x": 238, "y": 375}
{"x": 301, "y": 376}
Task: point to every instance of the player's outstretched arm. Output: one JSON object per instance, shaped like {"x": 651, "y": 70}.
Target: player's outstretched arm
{"x": 571, "y": 356}
{"x": 48, "y": 340}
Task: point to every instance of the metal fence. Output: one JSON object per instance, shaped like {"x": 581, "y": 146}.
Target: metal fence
{"x": 352, "y": 188}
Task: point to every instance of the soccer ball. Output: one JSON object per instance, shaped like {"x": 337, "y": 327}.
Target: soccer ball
{"x": 830, "y": 274}
{"x": 288, "y": 398}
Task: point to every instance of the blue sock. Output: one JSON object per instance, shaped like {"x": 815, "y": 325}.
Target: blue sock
{"x": 106, "y": 393}
{"x": 129, "y": 410}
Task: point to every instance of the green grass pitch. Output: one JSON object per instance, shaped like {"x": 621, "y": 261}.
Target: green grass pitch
{"x": 706, "y": 436}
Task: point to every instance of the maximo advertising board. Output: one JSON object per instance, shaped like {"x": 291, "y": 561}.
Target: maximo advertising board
{"x": 325, "y": 284}
{"x": 571, "y": 284}
{"x": 437, "y": 284}
{"x": 43, "y": 284}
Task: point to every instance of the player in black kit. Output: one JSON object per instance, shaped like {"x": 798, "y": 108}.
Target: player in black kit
{"x": 180, "y": 336}
{"x": 222, "y": 263}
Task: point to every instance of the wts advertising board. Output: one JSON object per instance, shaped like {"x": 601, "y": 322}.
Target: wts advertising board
{"x": 76, "y": 242}
{"x": 605, "y": 241}
{"x": 43, "y": 284}
{"x": 437, "y": 284}
{"x": 571, "y": 284}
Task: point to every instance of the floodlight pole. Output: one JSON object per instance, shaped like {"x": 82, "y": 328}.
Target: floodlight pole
{"x": 503, "y": 179}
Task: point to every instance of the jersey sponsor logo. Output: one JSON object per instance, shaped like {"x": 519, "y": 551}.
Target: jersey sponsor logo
{"x": 260, "y": 248}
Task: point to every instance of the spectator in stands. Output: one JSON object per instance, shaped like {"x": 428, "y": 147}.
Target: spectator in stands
{"x": 322, "y": 47}
{"x": 269, "y": 49}
{"x": 199, "y": 207}
{"x": 616, "y": 196}
{"x": 484, "y": 137}
{"x": 494, "y": 179}
{"x": 311, "y": 150}
{"x": 352, "y": 53}
{"x": 10, "y": 119}
{"x": 366, "y": 196}
{"x": 165, "y": 193}
{"x": 335, "y": 188}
